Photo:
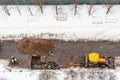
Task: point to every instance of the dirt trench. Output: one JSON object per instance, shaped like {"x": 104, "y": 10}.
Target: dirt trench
{"x": 63, "y": 51}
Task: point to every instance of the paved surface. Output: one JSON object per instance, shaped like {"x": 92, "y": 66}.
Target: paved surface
{"x": 64, "y": 51}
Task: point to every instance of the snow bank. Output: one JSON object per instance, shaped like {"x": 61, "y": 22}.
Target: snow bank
{"x": 3, "y": 64}
{"x": 63, "y": 74}
{"x": 97, "y": 26}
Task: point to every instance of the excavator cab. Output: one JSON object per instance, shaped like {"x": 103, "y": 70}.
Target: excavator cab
{"x": 95, "y": 60}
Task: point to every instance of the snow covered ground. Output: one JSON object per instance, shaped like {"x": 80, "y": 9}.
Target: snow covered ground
{"x": 62, "y": 74}
{"x": 97, "y": 26}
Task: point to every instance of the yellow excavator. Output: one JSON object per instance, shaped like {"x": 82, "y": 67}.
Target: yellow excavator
{"x": 92, "y": 60}
{"x": 95, "y": 60}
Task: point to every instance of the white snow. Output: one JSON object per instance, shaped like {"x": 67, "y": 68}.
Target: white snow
{"x": 3, "y": 64}
{"x": 66, "y": 26}
{"x": 97, "y": 26}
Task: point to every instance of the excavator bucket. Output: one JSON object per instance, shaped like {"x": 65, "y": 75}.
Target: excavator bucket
{"x": 111, "y": 62}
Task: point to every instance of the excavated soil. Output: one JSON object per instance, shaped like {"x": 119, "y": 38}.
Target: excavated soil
{"x": 62, "y": 51}
{"x": 35, "y": 46}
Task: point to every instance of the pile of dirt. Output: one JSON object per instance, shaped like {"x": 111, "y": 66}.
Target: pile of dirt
{"x": 35, "y": 46}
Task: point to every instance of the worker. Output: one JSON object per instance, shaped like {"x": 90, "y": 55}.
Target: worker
{"x": 13, "y": 59}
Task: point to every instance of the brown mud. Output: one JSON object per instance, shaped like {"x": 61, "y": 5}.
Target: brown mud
{"x": 35, "y": 46}
{"x": 63, "y": 51}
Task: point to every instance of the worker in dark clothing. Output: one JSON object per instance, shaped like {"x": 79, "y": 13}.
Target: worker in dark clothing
{"x": 13, "y": 59}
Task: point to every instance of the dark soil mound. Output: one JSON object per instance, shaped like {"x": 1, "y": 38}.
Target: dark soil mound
{"x": 35, "y": 46}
